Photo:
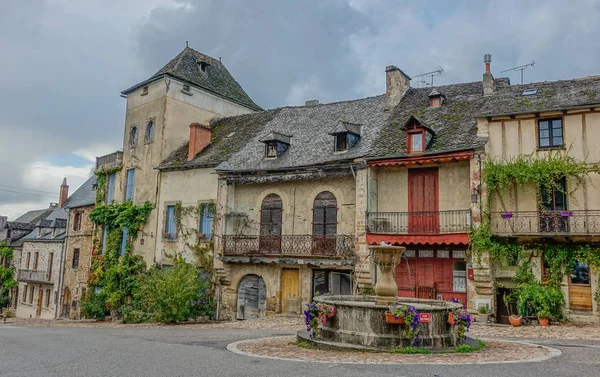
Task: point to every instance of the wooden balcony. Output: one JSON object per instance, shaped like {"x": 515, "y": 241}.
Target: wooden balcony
{"x": 545, "y": 224}
{"x": 31, "y": 276}
{"x": 300, "y": 246}
{"x": 419, "y": 223}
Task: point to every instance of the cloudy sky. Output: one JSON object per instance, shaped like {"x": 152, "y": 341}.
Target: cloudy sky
{"x": 64, "y": 62}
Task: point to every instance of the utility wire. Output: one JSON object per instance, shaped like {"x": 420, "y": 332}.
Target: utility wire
{"x": 26, "y": 189}
{"x": 27, "y": 193}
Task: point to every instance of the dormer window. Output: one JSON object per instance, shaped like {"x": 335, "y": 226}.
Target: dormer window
{"x": 418, "y": 135}
{"x": 275, "y": 144}
{"x": 144, "y": 90}
{"x": 346, "y": 135}
{"x": 203, "y": 65}
{"x": 341, "y": 142}
{"x": 435, "y": 98}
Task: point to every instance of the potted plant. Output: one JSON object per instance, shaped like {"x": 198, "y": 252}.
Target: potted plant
{"x": 543, "y": 316}
{"x": 451, "y": 318}
{"x": 409, "y": 316}
{"x": 391, "y": 318}
{"x": 507, "y": 215}
{"x": 483, "y": 311}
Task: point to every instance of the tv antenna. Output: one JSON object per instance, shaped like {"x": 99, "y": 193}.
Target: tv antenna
{"x": 520, "y": 68}
{"x": 437, "y": 72}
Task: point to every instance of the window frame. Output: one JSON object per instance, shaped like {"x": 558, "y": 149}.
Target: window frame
{"x": 75, "y": 261}
{"x": 128, "y": 178}
{"x": 133, "y": 141}
{"x": 341, "y": 137}
{"x": 36, "y": 260}
{"x": 110, "y": 187}
{"x": 150, "y": 126}
{"x": 77, "y": 220}
{"x": 144, "y": 90}
{"x": 47, "y": 298}
{"x": 409, "y": 136}
{"x": 324, "y": 222}
{"x": 205, "y": 211}
{"x": 31, "y": 293}
{"x": 170, "y": 226}
{"x": 24, "y": 298}
{"x": 270, "y": 146}
{"x": 551, "y": 136}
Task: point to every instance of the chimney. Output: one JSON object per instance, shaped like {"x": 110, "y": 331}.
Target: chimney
{"x": 488, "y": 79}
{"x": 199, "y": 139}
{"x": 3, "y": 221}
{"x": 312, "y": 102}
{"x": 396, "y": 84}
{"x": 64, "y": 193}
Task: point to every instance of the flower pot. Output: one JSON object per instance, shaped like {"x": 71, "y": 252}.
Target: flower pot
{"x": 483, "y": 318}
{"x": 515, "y": 321}
{"x": 543, "y": 321}
{"x": 451, "y": 318}
{"x": 200, "y": 235}
{"x": 566, "y": 213}
{"x": 390, "y": 318}
{"x": 506, "y": 216}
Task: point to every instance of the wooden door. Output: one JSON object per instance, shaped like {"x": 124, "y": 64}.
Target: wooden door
{"x": 423, "y": 201}
{"x": 290, "y": 290}
{"x": 580, "y": 289}
{"x": 40, "y": 302}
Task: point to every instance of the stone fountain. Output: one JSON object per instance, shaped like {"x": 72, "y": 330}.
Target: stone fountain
{"x": 360, "y": 320}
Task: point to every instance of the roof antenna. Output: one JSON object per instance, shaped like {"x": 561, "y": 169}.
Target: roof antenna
{"x": 520, "y": 68}
{"x": 186, "y": 44}
{"x": 437, "y": 72}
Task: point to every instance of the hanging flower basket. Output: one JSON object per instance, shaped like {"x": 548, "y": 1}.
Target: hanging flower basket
{"x": 451, "y": 319}
{"x": 391, "y": 318}
{"x": 507, "y": 215}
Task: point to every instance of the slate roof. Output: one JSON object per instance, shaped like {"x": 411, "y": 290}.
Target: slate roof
{"x": 216, "y": 79}
{"x": 57, "y": 219}
{"x": 85, "y": 195}
{"x": 228, "y": 136}
{"x": 311, "y": 143}
{"x": 453, "y": 123}
{"x": 551, "y": 95}
{"x": 346, "y": 127}
{"x": 34, "y": 216}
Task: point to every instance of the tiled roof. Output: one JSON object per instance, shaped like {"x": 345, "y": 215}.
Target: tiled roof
{"x": 216, "y": 78}
{"x": 34, "y": 216}
{"x": 85, "y": 195}
{"x": 551, "y": 95}
{"x": 311, "y": 143}
{"x": 57, "y": 219}
{"x": 228, "y": 135}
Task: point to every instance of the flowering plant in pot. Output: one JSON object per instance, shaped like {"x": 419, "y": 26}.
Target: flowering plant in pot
{"x": 483, "y": 311}
{"x": 451, "y": 313}
{"x": 315, "y": 315}
{"x": 543, "y": 316}
{"x": 409, "y": 316}
{"x": 462, "y": 323}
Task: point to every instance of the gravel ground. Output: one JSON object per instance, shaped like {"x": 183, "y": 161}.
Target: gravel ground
{"x": 493, "y": 352}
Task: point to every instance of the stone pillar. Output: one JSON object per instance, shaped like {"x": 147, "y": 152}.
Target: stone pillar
{"x": 362, "y": 269}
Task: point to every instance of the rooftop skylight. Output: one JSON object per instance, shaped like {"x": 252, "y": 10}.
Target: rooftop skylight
{"x": 529, "y": 92}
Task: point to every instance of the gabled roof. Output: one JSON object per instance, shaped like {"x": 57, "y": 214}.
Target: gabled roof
{"x": 34, "y": 216}
{"x": 216, "y": 79}
{"x": 551, "y": 95}
{"x": 85, "y": 195}
{"x": 277, "y": 136}
{"x": 343, "y": 126}
{"x": 312, "y": 143}
{"x": 57, "y": 219}
{"x": 228, "y": 135}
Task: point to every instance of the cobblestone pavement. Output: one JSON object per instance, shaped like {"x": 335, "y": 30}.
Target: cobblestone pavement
{"x": 493, "y": 352}
{"x": 565, "y": 331}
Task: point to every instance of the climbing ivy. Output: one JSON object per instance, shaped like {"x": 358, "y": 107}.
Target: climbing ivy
{"x": 202, "y": 251}
{"x": 7, "y": 279}
{"x": 101, "y": 177}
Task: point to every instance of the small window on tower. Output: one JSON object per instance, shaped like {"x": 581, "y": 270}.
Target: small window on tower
{"x": 133, "y": 136}
{"x": 144, "y": 90}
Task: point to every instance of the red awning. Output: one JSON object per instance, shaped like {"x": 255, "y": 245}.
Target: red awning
{"x": 457, "y": 239}
{"x": 424, "y": 160}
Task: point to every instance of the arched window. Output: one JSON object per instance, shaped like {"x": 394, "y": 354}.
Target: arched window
{"x": 270, "y": 224}
{"x": 325, "y": 215}
{"x": 133, "y": 136}
{"x": 149, "y": 131}
{"x": 270, "y": 215}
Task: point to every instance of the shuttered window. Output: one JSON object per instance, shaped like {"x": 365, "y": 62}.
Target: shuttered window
{"x": 124, "y": 240}
{"x": 170, "y": 231}
{"x": 206, "y": 221}
{"x": 271, "y": 215}
{"x": 325, "y": 215}
{"x": 110, "y": 196}
{"x": 130, "y": 183}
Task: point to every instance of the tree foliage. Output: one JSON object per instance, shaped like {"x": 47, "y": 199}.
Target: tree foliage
{"x": 7, "y": 274}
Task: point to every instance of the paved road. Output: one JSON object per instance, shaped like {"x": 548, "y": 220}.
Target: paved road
{"x": 149, "y": 352}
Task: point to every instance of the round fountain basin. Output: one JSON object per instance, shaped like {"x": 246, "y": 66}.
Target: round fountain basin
{"x": 359, "y": 320}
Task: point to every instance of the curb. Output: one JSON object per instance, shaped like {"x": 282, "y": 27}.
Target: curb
{"x": 553, "y": 352}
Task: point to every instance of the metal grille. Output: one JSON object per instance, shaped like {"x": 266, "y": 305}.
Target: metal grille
{"x": 545, "y": 223}
{"x": 338, "y": 246}
{"x": 437, "y": 222}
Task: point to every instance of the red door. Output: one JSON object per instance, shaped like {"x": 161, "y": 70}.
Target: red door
{"x": 423, "y": 201}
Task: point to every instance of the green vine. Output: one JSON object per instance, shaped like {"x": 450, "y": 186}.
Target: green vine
{"x": 7, "y": 274}
{"x": 101, "y": 177}
{"x": 202, "y": 251}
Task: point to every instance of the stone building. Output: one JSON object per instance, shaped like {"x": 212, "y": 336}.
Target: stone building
{"x": 191, "y": 88}
{"x": 78, "y": 248}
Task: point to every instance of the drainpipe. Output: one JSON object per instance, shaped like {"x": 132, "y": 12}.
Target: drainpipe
{"x": 218, "y": 301}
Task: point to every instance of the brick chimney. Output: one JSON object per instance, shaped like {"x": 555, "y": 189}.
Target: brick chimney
{"x": 488, "y": 79}
{"x": 199, "y": 139}
{"x": 396, "y": 84}
{"x": 64, "y": 193}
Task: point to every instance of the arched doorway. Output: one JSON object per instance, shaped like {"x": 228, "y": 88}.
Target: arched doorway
{"x": 66, "y": 304}
{"x": 252, "y": 297}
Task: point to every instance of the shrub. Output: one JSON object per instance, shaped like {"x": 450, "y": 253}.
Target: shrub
{"x": 172, "y": 295}
{"x": 93, "y": 305}
{"x": 536, "y": 297}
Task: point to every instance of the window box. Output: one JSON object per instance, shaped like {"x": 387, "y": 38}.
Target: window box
{"x": 391, "y": 319}
{"x": 507, "y": 215}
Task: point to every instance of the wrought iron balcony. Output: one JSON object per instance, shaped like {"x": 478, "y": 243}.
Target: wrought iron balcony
{"x": 548, "y": 223}
{"x": 31, "y": 276}
{"x": 419, "y": 223}
{"x": 305, "y": 246}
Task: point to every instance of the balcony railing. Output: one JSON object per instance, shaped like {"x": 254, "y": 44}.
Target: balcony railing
{"x": 419, "y": 223}
{"x": 306, "y": 246}
{"x": 109, "y": 160}
{"x": 546, "y": 223}
{"x": 31, "y": 276}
